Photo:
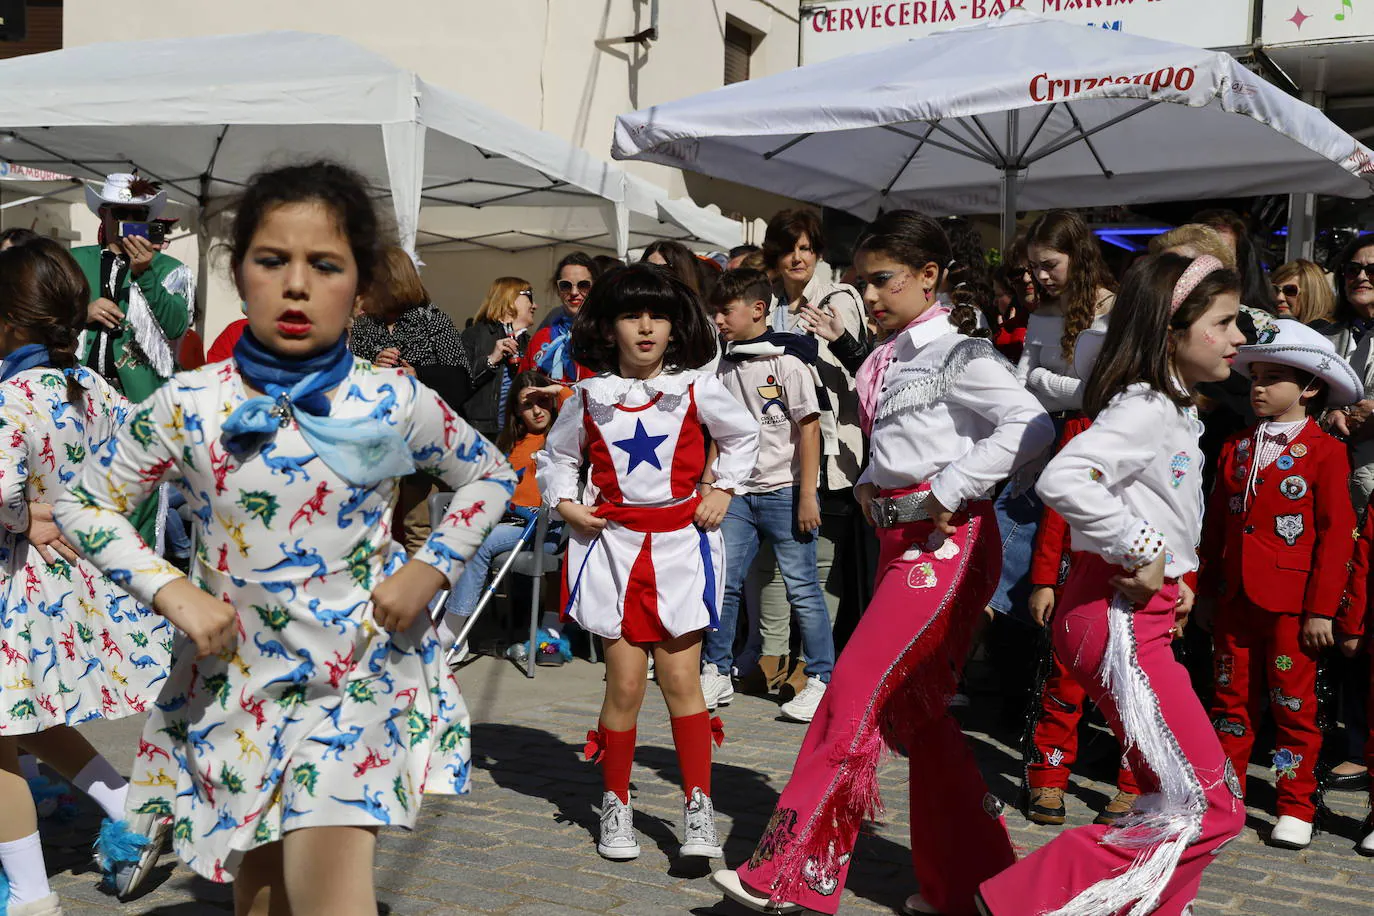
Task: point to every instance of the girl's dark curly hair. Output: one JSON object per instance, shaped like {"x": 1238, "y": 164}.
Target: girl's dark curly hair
{"x": 914, "y": 239}
{"x": 632, "y": 290}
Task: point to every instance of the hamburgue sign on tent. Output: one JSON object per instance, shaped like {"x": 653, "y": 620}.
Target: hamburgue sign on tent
{"x": 845, "y": 26}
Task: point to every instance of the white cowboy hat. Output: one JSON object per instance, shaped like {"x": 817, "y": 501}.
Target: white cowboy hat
{"x": 118, "y": 191}
{"x": 1299, "y": 346}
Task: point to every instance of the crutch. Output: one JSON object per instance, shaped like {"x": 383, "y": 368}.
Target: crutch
{"x": 489, "y": 591}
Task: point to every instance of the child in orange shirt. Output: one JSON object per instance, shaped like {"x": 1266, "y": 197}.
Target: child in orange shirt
{"x": 530, "y": 410}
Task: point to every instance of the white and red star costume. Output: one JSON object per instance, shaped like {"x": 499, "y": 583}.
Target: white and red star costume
{"x": 650, "y": 574}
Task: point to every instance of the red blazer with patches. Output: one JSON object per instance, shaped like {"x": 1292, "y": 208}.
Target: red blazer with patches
{"x": 1289, "y": 551}
{"x": 1354, "y": 619}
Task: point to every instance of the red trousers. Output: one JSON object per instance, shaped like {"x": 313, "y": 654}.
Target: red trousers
{"x": 1056, "y": 733}
{"x": 1152, "y": 859}
{"x": 891, "y": 685}
{"x": 1258, "y": 658}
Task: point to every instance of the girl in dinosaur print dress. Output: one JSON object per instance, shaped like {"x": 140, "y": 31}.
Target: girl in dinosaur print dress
{"x": 74, "y": 647}
{"x": 314, "y": 705}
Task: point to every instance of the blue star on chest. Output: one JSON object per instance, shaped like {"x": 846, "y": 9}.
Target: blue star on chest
{"x": 641, "y": 447}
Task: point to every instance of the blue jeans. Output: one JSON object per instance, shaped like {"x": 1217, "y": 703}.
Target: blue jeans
{"x": 468, "y": 590}
{"x": 1018, "y": 518}
{"x": 751, "y": 519}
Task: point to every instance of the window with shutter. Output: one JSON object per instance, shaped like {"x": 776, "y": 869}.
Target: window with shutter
{"x": 739, "y": 46}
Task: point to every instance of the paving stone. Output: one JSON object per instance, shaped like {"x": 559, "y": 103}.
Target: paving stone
{"x": 523, "y": 842}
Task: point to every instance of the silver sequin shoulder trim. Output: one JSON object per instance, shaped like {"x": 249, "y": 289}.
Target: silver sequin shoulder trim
{"x": 920, "y": 393}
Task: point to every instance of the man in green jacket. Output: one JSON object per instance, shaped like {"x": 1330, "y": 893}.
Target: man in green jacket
{"x": 142, "y": 299}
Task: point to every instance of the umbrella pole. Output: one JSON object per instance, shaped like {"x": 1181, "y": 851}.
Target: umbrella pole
{"x": 1009, "y": 175}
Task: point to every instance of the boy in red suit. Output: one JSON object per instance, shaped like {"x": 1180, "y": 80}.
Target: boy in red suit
{"x": 1055, "y": 739}
{"x": 1277, "y": 542}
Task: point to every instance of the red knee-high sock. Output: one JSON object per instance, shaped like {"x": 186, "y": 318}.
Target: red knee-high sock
{"x": 692, "y": 736}
{"x": 615, "y": 751}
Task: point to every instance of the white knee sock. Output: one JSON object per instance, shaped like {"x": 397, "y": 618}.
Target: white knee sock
{"x": 106, "y": 788}
{"x": 28, "y": 766}
{"x": 23, "y": 863}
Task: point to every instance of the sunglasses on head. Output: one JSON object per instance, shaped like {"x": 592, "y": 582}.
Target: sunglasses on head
{"x": 1288, "y": 289}
{"x": 582, "y": 286}
{"x": 1353, "y": 270}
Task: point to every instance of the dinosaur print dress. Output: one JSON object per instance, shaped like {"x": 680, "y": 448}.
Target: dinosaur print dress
{"x": 73, "y": 645}
{"x": 319, "y": 717}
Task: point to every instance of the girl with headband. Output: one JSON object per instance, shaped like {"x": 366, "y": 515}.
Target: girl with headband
{"x": 1130, "y": 488}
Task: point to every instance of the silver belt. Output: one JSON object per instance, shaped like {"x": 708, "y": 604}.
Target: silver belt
{"x": 890, "y": 511}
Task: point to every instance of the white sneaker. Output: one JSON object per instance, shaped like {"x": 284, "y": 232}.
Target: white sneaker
{"x": 1291, "y": 833}
{"x": 699, "y": 837}
{"x": 48, "y": 906}
{"x": 728, "y": 881}
{"x": 618, "y": 840}
{"x": 1366, "y": 846}
{"x": 651, "y": 668}
{"x": 802, "y": 707}
{"x": 916, "y": 905}
{"x": 716, "y": 687}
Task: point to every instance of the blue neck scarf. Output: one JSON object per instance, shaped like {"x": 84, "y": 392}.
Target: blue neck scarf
{"x": 554, "y": 358}
{"x": 360, "y": 450}
{"x": 29, "y": 356}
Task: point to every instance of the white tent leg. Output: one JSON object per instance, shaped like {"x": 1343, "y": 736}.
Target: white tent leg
{"x": 405, "y": 164}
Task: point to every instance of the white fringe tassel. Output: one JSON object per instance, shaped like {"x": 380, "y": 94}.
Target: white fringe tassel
{"x": 1162, "y": 825}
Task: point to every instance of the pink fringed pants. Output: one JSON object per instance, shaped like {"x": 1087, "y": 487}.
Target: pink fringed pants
{"x": 1173, "y": 750}
{"x": 891, "y": 685}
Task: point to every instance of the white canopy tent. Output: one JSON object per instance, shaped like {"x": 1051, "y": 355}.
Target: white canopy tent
{"x": 201, "y": 115}
{"x": 650, "y": 214}
{"x": 1023, "y": 112}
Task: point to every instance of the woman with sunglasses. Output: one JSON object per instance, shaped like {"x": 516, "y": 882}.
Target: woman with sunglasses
{"x": 1302, "y": 291}
{"x": 495, "y": 343}
{"x": 549, "y": 350}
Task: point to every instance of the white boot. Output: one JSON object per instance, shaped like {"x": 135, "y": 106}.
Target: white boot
{"x": 1366, "y": 845}
{"x": 1291, "y": 833}
{"x": 916, "y": 905}
{"x": 728, "y": 881}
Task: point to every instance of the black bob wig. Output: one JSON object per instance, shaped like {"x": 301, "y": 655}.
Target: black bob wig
{"x": 632, "y": 290}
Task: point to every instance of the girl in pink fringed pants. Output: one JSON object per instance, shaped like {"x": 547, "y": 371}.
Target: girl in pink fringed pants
{"x": 948, "y": 421}
{"x": 1130, "y": 488}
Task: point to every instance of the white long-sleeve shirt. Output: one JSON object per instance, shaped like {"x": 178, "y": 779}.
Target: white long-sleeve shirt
{"x": 1130, "y": 486}
{"x": 952, "y": 413}
{"x": 1042, "y": 367}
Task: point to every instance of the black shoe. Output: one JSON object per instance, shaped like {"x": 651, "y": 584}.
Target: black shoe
{"x": 1347, "y": 782}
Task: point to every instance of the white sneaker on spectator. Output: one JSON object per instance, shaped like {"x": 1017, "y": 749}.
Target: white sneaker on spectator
{"x": 716, "y": 687}
{"x": 651, "y": 667}
{"x": 802, "y": 707}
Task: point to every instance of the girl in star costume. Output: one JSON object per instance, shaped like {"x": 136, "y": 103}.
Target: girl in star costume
{"x": 645, "y": 563}
{"x": 308, "y": 705}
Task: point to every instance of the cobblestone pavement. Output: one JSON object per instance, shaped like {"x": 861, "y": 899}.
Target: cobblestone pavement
{"x": 522, "y": 842}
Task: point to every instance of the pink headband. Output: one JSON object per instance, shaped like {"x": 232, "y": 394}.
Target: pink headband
{"x": 1200, "y": 268}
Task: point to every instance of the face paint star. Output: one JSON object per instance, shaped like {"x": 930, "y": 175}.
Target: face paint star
{"x": 641, "y": 447}
{"x": 1299, "y": 17}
